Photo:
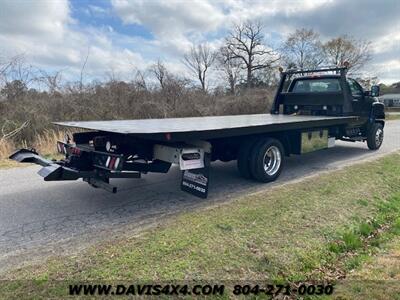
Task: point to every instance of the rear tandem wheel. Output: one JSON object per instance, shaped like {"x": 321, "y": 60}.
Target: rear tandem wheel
{"x": 261, "y": 160}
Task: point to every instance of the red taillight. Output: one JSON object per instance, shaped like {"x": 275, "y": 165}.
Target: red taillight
{"x": 116, "y": 163}
{"x": 61, "y": 148}
{"x": 112, "y": 162}
{"x": 76, "y": 151}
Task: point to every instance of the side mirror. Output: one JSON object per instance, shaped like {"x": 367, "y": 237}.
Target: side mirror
{"x": 375, "y": 91}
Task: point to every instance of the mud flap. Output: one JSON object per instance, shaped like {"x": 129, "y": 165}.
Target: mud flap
{"x": 195, "y": 181}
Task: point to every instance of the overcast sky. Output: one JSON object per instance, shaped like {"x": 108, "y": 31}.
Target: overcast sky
{"x": 122, "y": 35}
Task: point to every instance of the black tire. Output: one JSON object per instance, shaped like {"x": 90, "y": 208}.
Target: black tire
{"x": 243, "y": 158}
{"x": 260, "y": 169}
{"x": 375, "y": 136}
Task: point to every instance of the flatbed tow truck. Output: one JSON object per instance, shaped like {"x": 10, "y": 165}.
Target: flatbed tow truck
{"x": 311, "y": 109}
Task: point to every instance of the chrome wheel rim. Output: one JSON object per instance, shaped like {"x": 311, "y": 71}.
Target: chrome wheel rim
{"x": 379, "y": 137}
{"x": 272, "y": 160}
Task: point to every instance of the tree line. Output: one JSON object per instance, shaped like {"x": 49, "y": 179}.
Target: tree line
{"x": 246, "y": 59}
{"x": 244, "y": 65}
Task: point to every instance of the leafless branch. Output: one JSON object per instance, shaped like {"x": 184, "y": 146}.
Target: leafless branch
{"x": 15, "y": 131}
{"x": 303, "y": 49}
{"x": 199, "y": 60}
{"x": 160, "y": 72}
{"x": 246, "y": 43}
{"x": 83, "y": 69}
{"x": 345, "y": 48}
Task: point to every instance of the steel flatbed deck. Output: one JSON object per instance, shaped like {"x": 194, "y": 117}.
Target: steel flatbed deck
{"x": 179, "y": 129}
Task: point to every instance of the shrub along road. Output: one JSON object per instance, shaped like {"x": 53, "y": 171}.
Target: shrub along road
{"x": 38, "y": 218}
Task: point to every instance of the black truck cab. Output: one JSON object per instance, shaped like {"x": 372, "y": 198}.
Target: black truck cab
{"x": 363, "y": 101}
{"x": 330, "y": 92}
{"x": 325, "y": 94}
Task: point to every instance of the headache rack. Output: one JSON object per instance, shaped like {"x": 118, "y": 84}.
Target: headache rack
{"x": 335, "y": 69}
{"x": 331, "y": 104}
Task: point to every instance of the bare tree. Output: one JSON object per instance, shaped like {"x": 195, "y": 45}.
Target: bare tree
{"x": 17, "y": 69}
{"x": 160, "y": 72}
{"x": 111, "y": 75}
{"x": 5, "y": 66}
{"x": 51, "y": 80}
{"x": 267, "y": 77}
{"x": 246, "y": 43}
{"x": 83, "y": 69}
{"x": 199, "y": 60}
{"x": 303, "y": 49}
{"x": 344, "y": 48}
{"x": 230, "y": 67}
{"x": 140, "y": 79}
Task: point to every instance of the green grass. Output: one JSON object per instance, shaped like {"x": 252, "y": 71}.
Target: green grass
{"x": 376, "y": 267}
{"x": 295, "y": 232}
{"x": 391, "y": 117}
{"x": 7, "y": 163}
{"x": 375, "y": 277}
{"x": 365, "y": 229}
{"x": 351, "y": 241}
{"x": 392, "y": 109}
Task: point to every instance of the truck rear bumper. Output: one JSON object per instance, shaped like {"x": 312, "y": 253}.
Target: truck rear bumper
{"x": 98, "y": 176}
{"x": 97, "y": 167}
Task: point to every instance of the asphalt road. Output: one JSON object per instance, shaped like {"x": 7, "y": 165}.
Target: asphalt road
{"x": 38, "y": 218}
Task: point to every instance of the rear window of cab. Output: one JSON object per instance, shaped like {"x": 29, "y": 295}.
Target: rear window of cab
{"x": 316, "y": 85}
